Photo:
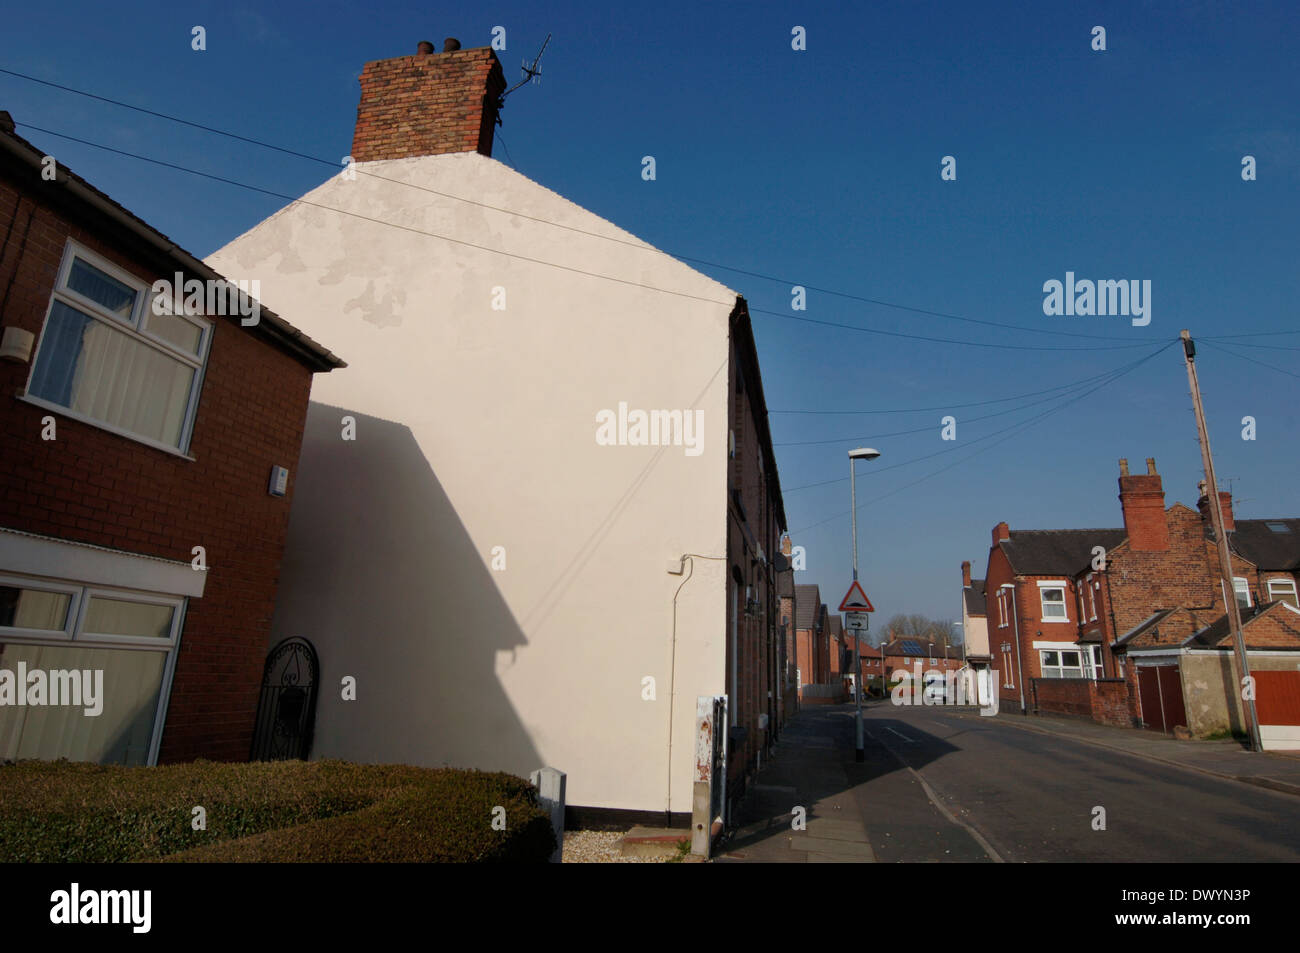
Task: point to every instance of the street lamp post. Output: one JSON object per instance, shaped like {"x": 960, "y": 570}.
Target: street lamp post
{"x": 862, "y": 453}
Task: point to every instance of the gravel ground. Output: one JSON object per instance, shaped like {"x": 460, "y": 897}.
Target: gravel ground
{"x": 600, "y": 847}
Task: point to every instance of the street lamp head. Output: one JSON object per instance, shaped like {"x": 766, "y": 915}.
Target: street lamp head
{"x": 863, "y": 453}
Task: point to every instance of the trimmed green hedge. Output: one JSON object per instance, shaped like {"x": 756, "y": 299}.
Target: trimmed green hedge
{"x": 321, "y": 811}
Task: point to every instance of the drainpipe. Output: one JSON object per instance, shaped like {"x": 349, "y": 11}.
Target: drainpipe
{"x": 1015, "y": 615}
{"x": 672, "y": 675}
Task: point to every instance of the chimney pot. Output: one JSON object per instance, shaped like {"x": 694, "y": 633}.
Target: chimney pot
{"x": 1123, "y": 466}
{"x": 450, "y": 45}
{"x": 1151, "y": 466}
{"x": 425, "y": 48}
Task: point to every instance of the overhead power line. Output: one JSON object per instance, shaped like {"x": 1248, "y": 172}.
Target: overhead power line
{"x": 928, "y": 428}
{"x": 1109, "y": 376}
{"x": 538, "y": 261}
{"x": 1018, "y": 428}
{"x": 788, "y": 282}
{"x": 919, "y": 410}
{"x": 1220, "y": 346}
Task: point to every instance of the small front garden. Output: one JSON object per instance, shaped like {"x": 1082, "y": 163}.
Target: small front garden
{"x": 282, "y": 811}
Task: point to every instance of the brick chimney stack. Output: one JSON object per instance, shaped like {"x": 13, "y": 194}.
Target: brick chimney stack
{"x": 1142, "y": 498}
{"x": 428, "y": 104}
{"x": 1001, "y": 531}
{"x": 965, "y": 574}
{"x": 1225, "y": 507}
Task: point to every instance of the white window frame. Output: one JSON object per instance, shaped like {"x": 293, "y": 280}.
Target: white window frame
{"x": 1092, "y": 598}
{"x": 20, "y": 633}
{"x": 135, "y": 328}
{"x": 73, "y": 633}
{"x": 1282, "y": 582}
{"x": 1002, "y": 608}
{"x": 1245, "y": 585}
{"x": 1060, "y": 668}
{"x": 1061, "y": 584}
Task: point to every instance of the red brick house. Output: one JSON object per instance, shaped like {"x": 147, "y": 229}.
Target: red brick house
{"x": 1124, "y": 625}
{"x": 810, "y": 636}
{"x": 141, "y": 522}
{"x": 836, "y": 640}
{"x": 903, "y": 653}
{"x": 786, "y": 597}
{"x": 870, "y": 663}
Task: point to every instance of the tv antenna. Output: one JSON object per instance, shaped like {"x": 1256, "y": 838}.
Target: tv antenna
{"x": 531, "y": 71}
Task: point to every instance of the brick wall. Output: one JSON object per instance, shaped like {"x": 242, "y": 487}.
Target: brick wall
{"x": 428, "y": 104}
{"x": 93, "y": 486}
{"x": 752, "y": 524}
{"x": 1105, "y": 701}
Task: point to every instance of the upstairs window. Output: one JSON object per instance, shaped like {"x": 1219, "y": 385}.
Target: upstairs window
{"x": 1052, "y": 596}
{"x": 106, "y": 358}
{"x": 1242, "y": 590}
{"x": 1283, "y": 589}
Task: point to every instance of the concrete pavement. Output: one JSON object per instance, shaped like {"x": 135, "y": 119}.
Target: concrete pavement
{"x": 814, "y": 770}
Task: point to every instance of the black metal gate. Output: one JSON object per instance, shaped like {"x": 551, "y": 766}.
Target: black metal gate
{"x": 286, "y": 712}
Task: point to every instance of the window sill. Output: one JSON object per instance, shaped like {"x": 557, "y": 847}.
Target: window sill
{"x": 100, "y": 425}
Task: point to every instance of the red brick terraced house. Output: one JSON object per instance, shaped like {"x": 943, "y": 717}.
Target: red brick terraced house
{"x": 810, "y": 625}
{"x": 1128, "y": 626}
{"x": 905, "y": 653}
{"x": 870, "y": 662}
{"x": 131, "y": 439}
{"x": 786, "y": 597}
{"x": 836, "y": 639}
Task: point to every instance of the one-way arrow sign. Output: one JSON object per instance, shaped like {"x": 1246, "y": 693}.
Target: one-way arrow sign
{"x": 856, "y": 600}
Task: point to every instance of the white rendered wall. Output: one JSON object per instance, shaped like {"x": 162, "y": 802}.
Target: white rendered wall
{"x": 475, "y": 428}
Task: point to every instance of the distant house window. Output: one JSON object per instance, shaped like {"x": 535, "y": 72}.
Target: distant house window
{"x": 1053, "y": 600}
{"x": 1003, "y": 615}
{"x": 1242, "y": 590}
{"x": 1092, "y": 600}
{"x": 1283, "y": 589}
{"x": 1061, "y": 664}
{"x": 106, "y": 358}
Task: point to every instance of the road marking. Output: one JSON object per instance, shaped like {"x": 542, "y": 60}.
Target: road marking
{"x": 900, "y": 734}
{"x": 934, "y": 799}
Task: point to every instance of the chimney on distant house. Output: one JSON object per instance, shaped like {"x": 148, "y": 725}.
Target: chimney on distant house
{"x": 1142, "y": 499}
{"x": 965, "y": 574}
{"x": 1225, "y": 507}
{"x": 429, "y": 104}
{"x": 1001, "y": 531}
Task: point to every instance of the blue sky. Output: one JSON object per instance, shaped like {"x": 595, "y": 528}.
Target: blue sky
{"x": 822, "y": 167}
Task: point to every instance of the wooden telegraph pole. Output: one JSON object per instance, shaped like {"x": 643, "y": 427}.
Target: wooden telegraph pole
{"x": 1221, "y": 537}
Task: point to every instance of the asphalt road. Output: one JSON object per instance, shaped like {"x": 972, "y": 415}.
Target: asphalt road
{"x": 1004, "y": 792}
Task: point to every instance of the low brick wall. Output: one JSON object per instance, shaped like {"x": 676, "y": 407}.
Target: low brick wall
{"x": 1105, "y": 701}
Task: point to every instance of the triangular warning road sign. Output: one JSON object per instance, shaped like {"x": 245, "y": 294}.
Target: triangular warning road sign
{"x": 856, "y": 600}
